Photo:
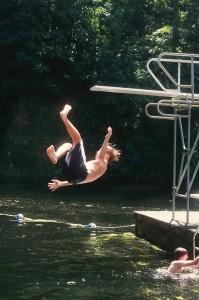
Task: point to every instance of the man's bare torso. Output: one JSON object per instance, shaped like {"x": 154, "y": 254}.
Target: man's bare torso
{"x": 96, "y": 168}
{"x": 174, "y": 268}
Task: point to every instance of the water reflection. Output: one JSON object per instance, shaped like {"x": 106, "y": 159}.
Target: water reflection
{"x": 45, "y": 257}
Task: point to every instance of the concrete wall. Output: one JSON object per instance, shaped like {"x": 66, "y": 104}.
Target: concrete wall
{"x": 164, "y": 235}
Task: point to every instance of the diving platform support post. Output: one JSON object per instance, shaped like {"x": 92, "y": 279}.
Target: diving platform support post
{"x": 181, "y": 103}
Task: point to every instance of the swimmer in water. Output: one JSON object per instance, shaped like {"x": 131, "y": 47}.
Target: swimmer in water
{"x": 180, "y": 263}
{"x": 75, "y": 168}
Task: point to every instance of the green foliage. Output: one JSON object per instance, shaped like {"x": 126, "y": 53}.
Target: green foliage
{"x": 56, "y": 50}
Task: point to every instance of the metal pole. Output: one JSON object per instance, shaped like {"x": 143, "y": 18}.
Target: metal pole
{"x": 189, "y": 136}
{"x": 188, "y": 160}
{"x": 174, "y": 168}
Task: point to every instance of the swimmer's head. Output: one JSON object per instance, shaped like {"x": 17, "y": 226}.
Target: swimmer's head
{"x": 180, "y": 253}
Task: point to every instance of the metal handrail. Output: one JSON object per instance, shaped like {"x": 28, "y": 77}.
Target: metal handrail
{"x": 156, "y": 117}
{"x": 159, "y": 60}
{"x": 173, "y": 103}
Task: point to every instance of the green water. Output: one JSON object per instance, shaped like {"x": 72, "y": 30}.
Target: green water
{"x": 47, "y": 258}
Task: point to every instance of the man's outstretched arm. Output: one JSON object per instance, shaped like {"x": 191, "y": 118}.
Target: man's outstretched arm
{"x": 187, "y": 263}
{"x": 55, "y": 184}
{"x": 103, "y": 150}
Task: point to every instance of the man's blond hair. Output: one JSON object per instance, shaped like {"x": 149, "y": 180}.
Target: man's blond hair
{"x": 114, "y": 154}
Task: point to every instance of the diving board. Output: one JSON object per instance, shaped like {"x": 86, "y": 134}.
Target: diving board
{"x": 194, "y": 196}
{"x": 168, "y": 93}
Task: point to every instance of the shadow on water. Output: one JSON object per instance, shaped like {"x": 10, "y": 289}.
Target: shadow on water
{"x": 53, "y": 254}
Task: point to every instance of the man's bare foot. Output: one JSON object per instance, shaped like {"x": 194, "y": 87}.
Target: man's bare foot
{"x": 51, "y": 154}
{"x": 65, "y": 111}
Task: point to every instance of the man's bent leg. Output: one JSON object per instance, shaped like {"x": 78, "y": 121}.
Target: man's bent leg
{"x": 63, "y": 149}
{"x": 72, "y": 131}
{"x": 55, "y": 155}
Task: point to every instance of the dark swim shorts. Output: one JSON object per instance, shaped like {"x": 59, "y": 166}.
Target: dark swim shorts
{"x": 73, "y": 164}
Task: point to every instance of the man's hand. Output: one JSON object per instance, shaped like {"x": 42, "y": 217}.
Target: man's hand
{"x": 55, "y": 184}
{"x": 109, "y": 132}
{"x": 102, "y": 152}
